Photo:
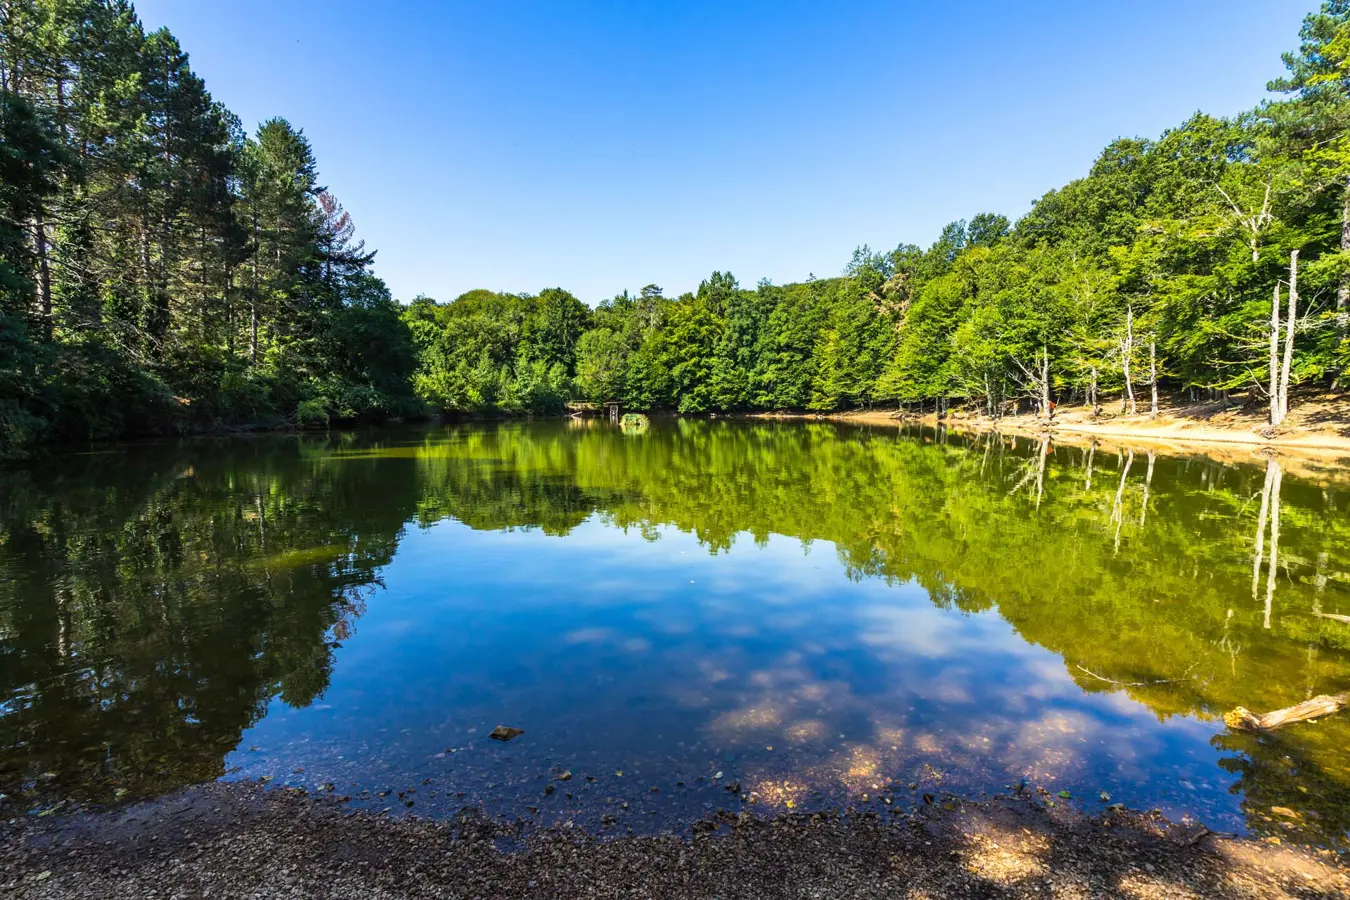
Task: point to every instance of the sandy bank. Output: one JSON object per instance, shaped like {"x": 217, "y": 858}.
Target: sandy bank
{"x": 1318, "y": 425}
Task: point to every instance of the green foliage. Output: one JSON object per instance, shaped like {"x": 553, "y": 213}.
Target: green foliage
{"x": 602, "y": 358}
{"x": 160, "y": 271}
{"x": 1165, "y": 254}
{"x": 488, "y": 353}
{"x": 313, "y": 413}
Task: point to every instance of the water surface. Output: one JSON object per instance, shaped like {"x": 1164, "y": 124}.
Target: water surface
{"x": 820, "y": 615}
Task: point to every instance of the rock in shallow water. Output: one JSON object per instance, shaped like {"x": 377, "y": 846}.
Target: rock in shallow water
{"x": 505, "y": 733}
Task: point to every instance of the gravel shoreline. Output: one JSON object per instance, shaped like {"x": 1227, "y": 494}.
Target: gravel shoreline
{"x": 242, "y": 840}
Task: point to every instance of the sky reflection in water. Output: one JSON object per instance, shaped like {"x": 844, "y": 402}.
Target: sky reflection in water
{"x": 663, "y": 662}
{"x": 980, "y": 621}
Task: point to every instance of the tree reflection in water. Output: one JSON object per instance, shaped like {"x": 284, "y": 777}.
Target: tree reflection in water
{"x": 155, "y": 600}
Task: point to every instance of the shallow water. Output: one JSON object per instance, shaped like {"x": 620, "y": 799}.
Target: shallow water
{"x": 819, "y": 614}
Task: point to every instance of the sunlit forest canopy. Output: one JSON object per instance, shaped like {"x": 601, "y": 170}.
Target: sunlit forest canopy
{"x": 165, "y": 267}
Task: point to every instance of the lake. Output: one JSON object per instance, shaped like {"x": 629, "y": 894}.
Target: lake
{"x": 698, "y": 615}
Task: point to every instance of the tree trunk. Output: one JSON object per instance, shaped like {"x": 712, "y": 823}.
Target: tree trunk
{"x": 1092, "y": 395}
{"x": 1275, "y": 417}
{"x": 253, "y": 297}
{"x": 148, "y": 278}
{"x": 44, "y": 284}
{"x": 1343, "y": 289}
{"x": 1153, "y": 375}
{"x": 231, "y": 314}
{"x": 1126, "y": 351}
{"x": 1290, "y": 325}
{"x": 1321, "y": 705}
{"x": 1045, "y": 383}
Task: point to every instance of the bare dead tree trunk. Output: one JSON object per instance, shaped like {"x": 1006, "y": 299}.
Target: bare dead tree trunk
{"x": 1126, "y": 351}
{"x": 1094, "y": 398}
{"x": 1290, "y": 326}
{"x": 1275, "y": 417}
{"x": 1315, "y": 708}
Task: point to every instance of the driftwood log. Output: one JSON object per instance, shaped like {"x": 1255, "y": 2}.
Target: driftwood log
{"x": 1323, "y": 705}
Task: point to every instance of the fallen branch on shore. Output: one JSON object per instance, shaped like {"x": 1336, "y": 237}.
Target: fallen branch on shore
{"x": 1323, "y": 705}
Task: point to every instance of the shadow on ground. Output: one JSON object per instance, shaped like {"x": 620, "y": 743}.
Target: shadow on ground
{"x": 244, "y": 841}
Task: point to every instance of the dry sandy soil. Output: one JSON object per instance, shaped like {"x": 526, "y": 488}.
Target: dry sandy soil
{"x": 242, "y": 840}
{"x": 1318, "y": 425}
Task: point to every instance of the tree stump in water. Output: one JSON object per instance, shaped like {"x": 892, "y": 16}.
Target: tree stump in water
{"x": 1323, "y": 705}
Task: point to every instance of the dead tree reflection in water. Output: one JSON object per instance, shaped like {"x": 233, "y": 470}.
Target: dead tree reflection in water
{"x": 1229, "y": 645}
{"x": 1320, "y": 582}
{"x": 1270, "y": 512}
{"x": 1148, "y": 484}
{"x": 1040, "y": 469}
{"x": 1034, "y": 470}
{"x": 1118, "y": 510}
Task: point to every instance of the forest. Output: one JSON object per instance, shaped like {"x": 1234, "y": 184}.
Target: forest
{"x": 161, "y": 269}
{"x": 164, "y": 270}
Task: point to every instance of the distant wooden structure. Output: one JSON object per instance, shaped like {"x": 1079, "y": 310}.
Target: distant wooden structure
{"x": 578, "y": 409}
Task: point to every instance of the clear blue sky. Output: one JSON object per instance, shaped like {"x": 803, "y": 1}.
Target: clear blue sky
{"x": 603, "y": 146}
